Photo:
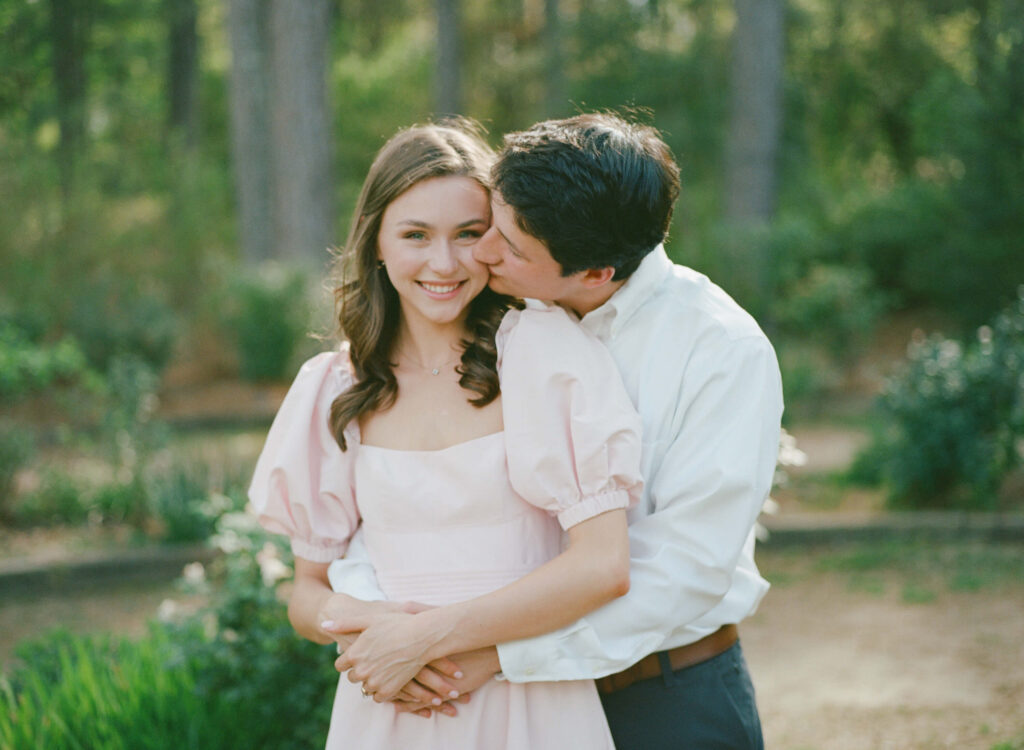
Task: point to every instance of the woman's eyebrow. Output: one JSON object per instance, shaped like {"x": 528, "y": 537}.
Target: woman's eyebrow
{"x": 426, "y": 225}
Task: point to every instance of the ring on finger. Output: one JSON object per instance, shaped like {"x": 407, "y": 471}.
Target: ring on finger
{"x": 364, "y": 691}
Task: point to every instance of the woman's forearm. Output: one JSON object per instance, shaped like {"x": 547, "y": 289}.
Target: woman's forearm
{"x": 310, "y": 594}
{"x": 591, "y": 572}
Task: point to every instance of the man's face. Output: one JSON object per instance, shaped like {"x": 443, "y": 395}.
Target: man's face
{"x": 520, "y": 264}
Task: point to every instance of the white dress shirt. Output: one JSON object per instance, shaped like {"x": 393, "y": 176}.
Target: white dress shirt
{"x": 706, "y": 383}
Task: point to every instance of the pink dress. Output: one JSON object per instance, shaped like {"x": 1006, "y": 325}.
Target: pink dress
{"x": 447, "y": 525}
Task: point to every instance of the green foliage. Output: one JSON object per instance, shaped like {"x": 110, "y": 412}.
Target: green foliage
{"x": 68, "y": 692}
{"x": 183, "y": 503}
{"x": 111, "y": 320}
{"x": 59, "y": 499}
{"x": 16, "y": 448}
{"x": 269, "y": 313}
{"x": 957, "y": 414}
{"x": 27, "y": 367}
{"x": 924, "y": 568}
{"x": 255, "y": 663}
{"x": 234, "y": 676}
{"x": 834, "y": 306}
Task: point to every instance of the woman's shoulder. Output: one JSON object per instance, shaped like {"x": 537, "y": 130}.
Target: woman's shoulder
{"x": 327, "y": 371}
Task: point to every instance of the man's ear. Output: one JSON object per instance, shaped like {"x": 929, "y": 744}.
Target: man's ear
{"x": 595, "y": 277}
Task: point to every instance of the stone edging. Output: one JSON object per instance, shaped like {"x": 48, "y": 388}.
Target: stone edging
{"x": 162, "y": 563}
{"x": 165, "y": 563}
{"x": 809, "y": 529}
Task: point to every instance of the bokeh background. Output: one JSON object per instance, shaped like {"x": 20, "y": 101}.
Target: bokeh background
{"x": 174, "y": 172}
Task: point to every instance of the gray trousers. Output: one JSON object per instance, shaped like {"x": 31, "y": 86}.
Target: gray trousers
{"x": 709, "y": 706}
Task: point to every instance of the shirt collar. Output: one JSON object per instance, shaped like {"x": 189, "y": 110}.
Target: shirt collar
{"x": 639, "y": 287}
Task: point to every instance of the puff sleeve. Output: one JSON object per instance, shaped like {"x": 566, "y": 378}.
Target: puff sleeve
{"x": 303, "y": 485}
{"x": 572, "y": 434}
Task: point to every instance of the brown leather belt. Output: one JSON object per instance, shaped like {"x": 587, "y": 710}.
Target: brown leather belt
{"x": 679, "y": 658}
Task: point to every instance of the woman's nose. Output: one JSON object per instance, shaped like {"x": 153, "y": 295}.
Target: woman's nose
{"x": 442, "y": 259}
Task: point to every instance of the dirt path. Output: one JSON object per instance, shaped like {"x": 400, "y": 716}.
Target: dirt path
{"x": 840, "y": 669}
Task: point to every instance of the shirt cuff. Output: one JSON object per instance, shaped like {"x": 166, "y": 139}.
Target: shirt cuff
{"x": 591, "y": 506}
{"x": 319, "y": 552}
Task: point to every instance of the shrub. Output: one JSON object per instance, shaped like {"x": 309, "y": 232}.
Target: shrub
{"x": 269, "y": 313}
{"x": 27, "y": 367}
{"x": 58, "y": 500}
{"x": 834, "y": 306}
{"x": 957, "y": 415}
{"x": 254, "y": 662}
{"x": 111, "y": 319}
{"x": 179, "y": 501}
{"x": 234, "y": 677}
{"x": 16, "y": 448}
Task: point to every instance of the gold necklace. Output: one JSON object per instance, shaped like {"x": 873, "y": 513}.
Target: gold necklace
{"x": 433, "y": 370}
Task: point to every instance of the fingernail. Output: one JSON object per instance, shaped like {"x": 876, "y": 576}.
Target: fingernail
{"x": 458, "y": 675}
{"x": 436, "y": 701}
{"x": 453, "y": 694}
{"x": 327, "y": 624}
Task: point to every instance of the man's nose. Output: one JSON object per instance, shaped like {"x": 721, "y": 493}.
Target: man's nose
{"x": 485, "y": 248}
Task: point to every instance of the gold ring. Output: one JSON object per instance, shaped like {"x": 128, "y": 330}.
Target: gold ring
{"x": 362, "y": 689}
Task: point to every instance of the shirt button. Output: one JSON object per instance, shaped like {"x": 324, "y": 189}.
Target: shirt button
{"x": 530, "y": 670}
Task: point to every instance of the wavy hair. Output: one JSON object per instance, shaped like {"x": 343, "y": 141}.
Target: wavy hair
{"x": 366, "y": 303}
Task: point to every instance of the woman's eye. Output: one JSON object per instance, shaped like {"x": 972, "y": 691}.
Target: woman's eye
{"x": 470, "y": 234}
{"x": 415, "y": 235}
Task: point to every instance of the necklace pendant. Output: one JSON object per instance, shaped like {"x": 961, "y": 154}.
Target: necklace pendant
{"x": 435, "y": 371}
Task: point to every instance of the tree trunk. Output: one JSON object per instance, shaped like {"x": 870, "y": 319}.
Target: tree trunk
{"x": 69, "y": 31}
{"x": 751, "y": 178}
{"x": 753, "y": 140}
{"x": 182, "y": 72}
{"x": 250, "y": 126}
{"x": 447, "y": 80}
{"x": 301, "y": 132}
{"x": 555, "y": 98}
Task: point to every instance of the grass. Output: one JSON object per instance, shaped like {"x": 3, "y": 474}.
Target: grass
{"x": 83, "y": 694}
{"x": 920, "y": 571}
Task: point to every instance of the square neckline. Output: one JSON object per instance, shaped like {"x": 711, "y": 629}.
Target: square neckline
{"x": 425, "y": 451}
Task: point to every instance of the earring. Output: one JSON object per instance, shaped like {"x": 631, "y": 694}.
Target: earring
{"x": 380, "y": 265}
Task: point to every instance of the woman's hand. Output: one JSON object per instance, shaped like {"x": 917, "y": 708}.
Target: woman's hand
{"x": 391, "y": 651}
{"x": 341, "y": 616}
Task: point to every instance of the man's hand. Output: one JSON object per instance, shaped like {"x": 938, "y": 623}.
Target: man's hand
{"x": 475, "y": 668}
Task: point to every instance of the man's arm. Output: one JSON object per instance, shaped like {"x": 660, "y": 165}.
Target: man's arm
{"x": 706, "y": 490}
{"x": 594, "y": 569}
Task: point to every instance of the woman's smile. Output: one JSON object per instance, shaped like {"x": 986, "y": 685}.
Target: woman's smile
{"x": 441, "y": 291}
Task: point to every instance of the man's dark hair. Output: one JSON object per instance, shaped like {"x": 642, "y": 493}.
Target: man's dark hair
{"x": 597, "y": 190}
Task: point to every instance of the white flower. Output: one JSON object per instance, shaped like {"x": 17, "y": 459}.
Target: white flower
{"x": 168, "y": 611}
{"x": 271, "y": 568}
{"x": 789, "y": 454}
{"x": 194, "y": 573}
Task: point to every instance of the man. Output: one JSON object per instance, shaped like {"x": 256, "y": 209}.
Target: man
{"x": 580, "y": 209}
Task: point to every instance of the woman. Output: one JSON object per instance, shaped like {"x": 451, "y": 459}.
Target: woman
{"x": 462, "y": 487}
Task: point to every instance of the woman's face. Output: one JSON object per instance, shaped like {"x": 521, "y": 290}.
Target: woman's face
{"x": 426, "y": 241}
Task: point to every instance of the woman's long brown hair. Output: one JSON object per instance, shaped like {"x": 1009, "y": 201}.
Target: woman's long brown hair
{"x": 367, "y": 304}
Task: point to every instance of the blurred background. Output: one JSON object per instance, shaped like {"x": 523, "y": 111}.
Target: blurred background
{"x": 173, "y": 172}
